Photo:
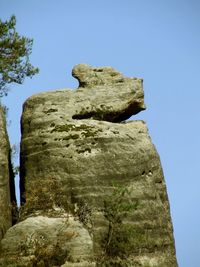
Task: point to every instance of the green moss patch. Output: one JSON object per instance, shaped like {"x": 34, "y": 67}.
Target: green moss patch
{"x": 86, "y": 130}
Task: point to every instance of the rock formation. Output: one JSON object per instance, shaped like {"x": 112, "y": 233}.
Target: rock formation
{"x": 92, "y": 186}
{"x": 7, "y": 195}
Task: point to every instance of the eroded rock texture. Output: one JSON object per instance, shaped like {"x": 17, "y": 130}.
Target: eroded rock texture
{"x": 75, "y": 152}
{"x": 7, "y": 195}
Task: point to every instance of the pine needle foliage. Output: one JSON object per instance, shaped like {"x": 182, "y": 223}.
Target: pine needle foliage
{"x": 15, "y": 51}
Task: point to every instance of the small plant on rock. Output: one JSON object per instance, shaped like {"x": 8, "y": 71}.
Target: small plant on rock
{"x": 119, "y": 240}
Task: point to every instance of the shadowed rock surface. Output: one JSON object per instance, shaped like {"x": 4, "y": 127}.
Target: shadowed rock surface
{"x": 7, "y": 194}
{"x": 74, "y": 154}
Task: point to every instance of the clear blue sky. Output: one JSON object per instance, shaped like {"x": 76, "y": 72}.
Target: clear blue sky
{"x": 157, "y": 40}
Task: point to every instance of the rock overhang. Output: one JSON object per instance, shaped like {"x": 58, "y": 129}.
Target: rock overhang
{"x": 103, "y": 94}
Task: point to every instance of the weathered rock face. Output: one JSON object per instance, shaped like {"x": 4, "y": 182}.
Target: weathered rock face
{"x": 42, "y": 240}
{"x": 92, "y": 188}
{"x": 7, "y": 195}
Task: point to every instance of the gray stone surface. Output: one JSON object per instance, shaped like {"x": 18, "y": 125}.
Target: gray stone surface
{"x": 73, "y": 149}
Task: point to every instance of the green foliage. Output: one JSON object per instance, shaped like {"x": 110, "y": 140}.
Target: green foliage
{"x": 114, "y": 262}
{"x": 120, "y": 238}
{"x": 5, "y": 110}
{"x": 46, "y": 256}
{"x": 14, "y": 56}
{"x": 118, "y": 205}
{"x": 83, "y": 212}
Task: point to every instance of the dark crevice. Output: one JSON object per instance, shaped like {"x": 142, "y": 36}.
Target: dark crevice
{"x": 12, "y": 191}
{"x": 116, "y": 117}
{"x": 22, "y": 185}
